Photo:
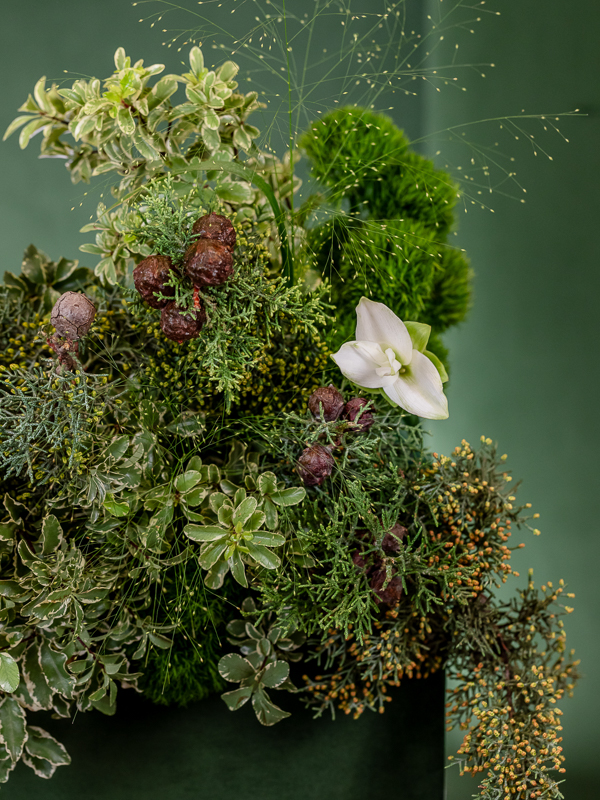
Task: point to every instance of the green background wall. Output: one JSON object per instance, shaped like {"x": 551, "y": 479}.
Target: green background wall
{"x": 525, "y": 364}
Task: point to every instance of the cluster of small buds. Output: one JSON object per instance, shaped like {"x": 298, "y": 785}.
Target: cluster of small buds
{"x": 327, "y": 404}
{"x": 207, "y": 262}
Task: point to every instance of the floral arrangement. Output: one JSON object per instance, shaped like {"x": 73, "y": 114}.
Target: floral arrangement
{"x": 213, "y": 473}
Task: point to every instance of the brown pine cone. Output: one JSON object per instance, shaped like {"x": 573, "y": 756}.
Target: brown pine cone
{"x": 217, "y": 228}
{"x": 391, "y": 541}
{"x": 393, "y": 591}
{"x": 352, "y": 409}
{"x": 72, "y": 315}
{"x": 208, "y": 263}
{"x": 315, "y": 464}
{"x": 330, "y": 400}
{"x": 149, "y": 279}
{"x": 181, "y": 325}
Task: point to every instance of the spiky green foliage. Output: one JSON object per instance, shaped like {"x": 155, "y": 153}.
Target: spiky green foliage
{"x": 361, "y": 156}
{"x": 390, "y": 240}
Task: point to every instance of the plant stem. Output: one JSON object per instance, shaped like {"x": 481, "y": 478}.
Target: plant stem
{"x": 290, "y": 117}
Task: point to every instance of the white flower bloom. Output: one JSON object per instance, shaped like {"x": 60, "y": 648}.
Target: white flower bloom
{"x": 390, "y": 355}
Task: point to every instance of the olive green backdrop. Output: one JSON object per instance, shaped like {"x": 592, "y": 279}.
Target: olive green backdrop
{"x": 524, "y": 366}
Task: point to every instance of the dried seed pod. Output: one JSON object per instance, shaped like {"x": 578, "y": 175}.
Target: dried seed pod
{"x": 353, "y": 408}
{"x": 149, "y": 279}
{"x": 208, "y": 263}
{"x": 181, "y": 325}
{"x": 329, "y": 400}
{"x": 72, "y": 315}
{"x": 216, "y": 227}
{"x": 315, "y": 464}
{"x": 392, "y": 539}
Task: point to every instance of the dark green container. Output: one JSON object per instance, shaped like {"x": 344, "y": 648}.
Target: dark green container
{"x": 206, "y": 752}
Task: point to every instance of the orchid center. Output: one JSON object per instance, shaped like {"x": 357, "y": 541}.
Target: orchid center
{"x": 389, "y": 364}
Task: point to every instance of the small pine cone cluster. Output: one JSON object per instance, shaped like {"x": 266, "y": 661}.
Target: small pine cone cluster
{"x": 327, "y": 404}
{"x": 383, "y": 580}
{"x": 207, "y": 262}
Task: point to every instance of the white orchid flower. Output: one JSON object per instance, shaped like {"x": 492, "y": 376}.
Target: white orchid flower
{"x": 390, "y": 356}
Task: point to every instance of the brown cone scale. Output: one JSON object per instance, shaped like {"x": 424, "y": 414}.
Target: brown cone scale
{"x": 208, "y": 263}
{"x": 149, "y": 279}
{"x": 353, "y": 408}
{"x": 326, "y": 403}
{"x": 216, "y": 228}
{"x": 315, "y": 464}
{"x": 181, "y": 326}
{"x": 72, "y": 315}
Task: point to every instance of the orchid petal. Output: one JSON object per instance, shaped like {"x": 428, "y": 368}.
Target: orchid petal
{"x": 359, "y": 361}
{"x": 375, "y": 322}
{"x": 437, "y": 364}
{"x": 419, "y": 390}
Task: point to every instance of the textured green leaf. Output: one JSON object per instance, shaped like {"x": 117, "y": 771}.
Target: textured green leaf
{"x": 217, "y": 499}
{"x": 289, "y": 497}
{"x": 237, "y": 568}
{"x": 163, "y": 642}
{"x": 227, "y": 71}
{"x": 13, "y": 733}
{"x": 267, "y": 538}
{"x": 195, "y": 496}
{"x": 244, "y": 511}
{"x": 52, "y": 534}
{"x": 211, "y": 552}
{"x": 6, "y": 767}
{"x": 196, "y": 61}
{"x": 234, "y": 668}
{"x": 9, "y": 673}
{"x": 14, "y": 509}
{"x": 39, "y": 92}
{"x": 10, "y": 589}
{"x": 419, "y": 334}
{"x": 234, "y": 192}
{"x": 187, "y": 481}
{"x": 15, "y": 124}
{"x": 267, "y": 483}
{"x": 34, "y": 677}
{"x": 121, "y": 60}
{"x": 271, "y": 515}
{"x": 263, "y": 556}
{"x": 237, "y": 697}
{"x": 256, "y": 521}
{"x": 53, "y": 666}
{"x": 29, "y": 129}
{"x": 41, "y": 745}
{"x": 153, "y": 537}
{"x": 266, "y": 711}
{"x": 216, "y": 575}
{"x": 205, "y": 533}
{"x": 41, "y": 767}
{"x": 275, "y": 674}
{"x": 115, "y": 508}
{"x": 225, "y": 515}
